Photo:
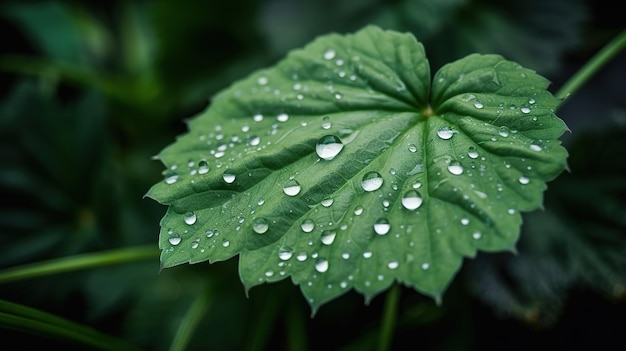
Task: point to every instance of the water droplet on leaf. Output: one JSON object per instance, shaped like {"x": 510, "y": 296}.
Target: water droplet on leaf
{"x": 292, "y": 188}
{"x": 260, "y": 225}
{"x": 371, "y": 181}
{"x": 328, "y": 147}
{"x": 190, "y": 218}
{"x": 321, "y": 265}
{"x": 382, "y": 226}
{"x": 412, "y": 200}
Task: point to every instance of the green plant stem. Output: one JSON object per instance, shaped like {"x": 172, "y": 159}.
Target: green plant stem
{"x": 389, "y": 318}
{"x": 593, "y": 65}
{"x": 26, "y": 319}
{"x": 296, "y": 328}
{"x": 73, "y": 263}
{"x": 194, "y": 315}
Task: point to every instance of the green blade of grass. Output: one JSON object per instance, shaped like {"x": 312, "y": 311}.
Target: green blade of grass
{"x": 73, "y": 263}
{"x": 29, "y": 320}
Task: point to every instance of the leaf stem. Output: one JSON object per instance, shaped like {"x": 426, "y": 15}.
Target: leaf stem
{"x": 73, "y": 263}
{"x": 593, "y": 65}
{"x": 191, "y": 320}
{"x": 26, "y": 319}
{"x": 389, "y": 318}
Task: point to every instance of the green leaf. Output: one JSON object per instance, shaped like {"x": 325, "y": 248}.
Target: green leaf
{"x": 342, "y": 168}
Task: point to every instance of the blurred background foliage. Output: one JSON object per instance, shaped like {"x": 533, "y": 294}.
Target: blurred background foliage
{"x": 90, "y": 91}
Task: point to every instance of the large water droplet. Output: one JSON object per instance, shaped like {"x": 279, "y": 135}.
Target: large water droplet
{"x": 174, "y": 238}
{"x": 260, "y": 225}
{"x": 472, "y": 152}
{"x": 392, "y": 264}
{"x": 328, "y": 147}
{"x": 229, "y": 176}
{"x": 445, "y": 132}
{"x": 292, "y": 188}
{"x": 326, "y": 123}
{"x": 285, "y": 253}
{"x": 455, "y": 168}
{"x": 203, "y": 167}
{"x": 328, "y": 236}
{"x": 171, "y": 177}
{"x": 535, "y": 147}
{"x": 382, "y": 226}
{"x": 283, "y": 117}
{"x": 321, "y": 265}
{"x": 412, "y": 200}
{"x": 308, "y": 225}
{"x": 358, "y": 211}
{"x": 371, "y": 181}
{"x": 329, "y": 54}
{"x": 524, "y": 180}
{"x": 327, "y": 202}
{"x": 190, "y": 218}
{"x": 503, "y": 131}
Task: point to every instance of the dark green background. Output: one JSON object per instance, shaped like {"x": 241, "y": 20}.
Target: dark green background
{"x": 90, "y": 91}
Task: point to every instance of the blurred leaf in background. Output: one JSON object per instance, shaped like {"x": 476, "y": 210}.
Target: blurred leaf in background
{"x": 90, "y": 91}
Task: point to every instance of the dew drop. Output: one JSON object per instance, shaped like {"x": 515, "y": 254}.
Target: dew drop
{"x": 382, "y": 226}
{"x": 228, "y": 176}
{"x": 525, "y": 110}
{"x": 190, "y": 218}
{"x": 326, "y": 123}
{"x": 329, "y": 54}
{"x": 283, "y": 117}
{"x": 535, "y": 147}
{"x": 254, "y": 140}
{"x": 327, "y": 202}
{"x": 321, "y": 265}
{"x": 472, "y": 152}
{"x": 302, "y": 256}
{"x": 503, "y": 132}
{"x": 328, "y": 147}
{"x": 371, "y": 181}
{"x": 260, "y": 225}
{"x": 285, "y": 253}
{"x": 292, "y": 188}
{"x": 171, "y": 177}
{"x": 455, "y": 168}
{"x": 226, "y": 243}
{"x": 358, "y": 211}
{"x": 393, "y": 264}
{"x": 328, "y": 237}
{"x": 445, "y": 132}
{"x": 478, "y": 105}
{"x": 195, "y": 244}
{"x": 412, "y": 200}
{"x": 510, "y": 211}
{"x": 257, "y": 118}
{"x": 464, "y": 221}
{"x": 476, "y": 235}
{"x": 203, "y": 167}
{"x": 308, "y": 225}
{"x": 425, "y": 265}
{"x": 412, "y": 148}
{"x": 524, "y": 180}
{"x": 174, "y": 238}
